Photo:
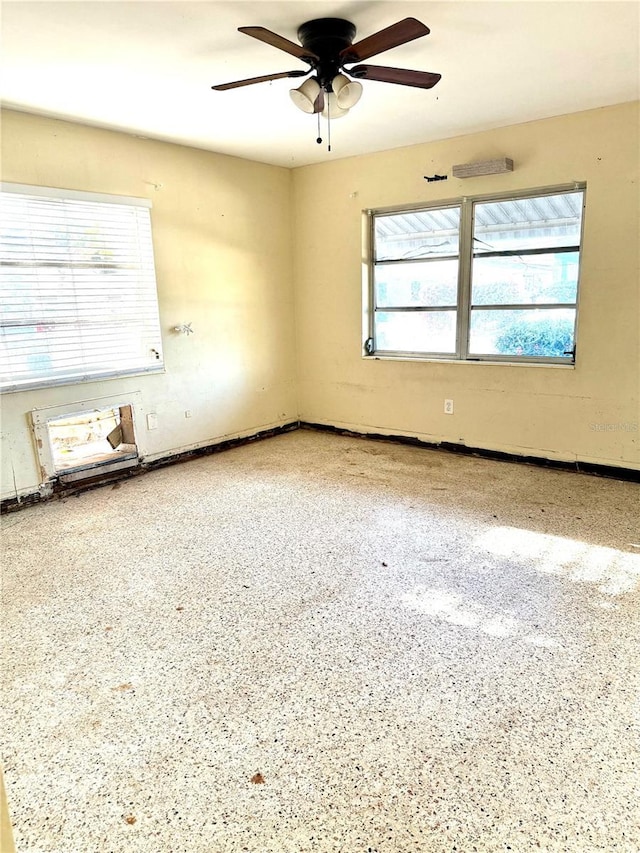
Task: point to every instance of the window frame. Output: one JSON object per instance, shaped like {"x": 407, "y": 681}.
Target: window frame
{"x": 466, "y": 206}
{"x": 81, "y": 371}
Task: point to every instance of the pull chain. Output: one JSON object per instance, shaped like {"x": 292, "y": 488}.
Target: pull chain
{"x": 319, "y": 138}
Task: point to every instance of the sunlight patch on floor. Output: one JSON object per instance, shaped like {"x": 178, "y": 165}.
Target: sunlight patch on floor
{"x": 615, "y": 572}
{"x": 453, "y": 608}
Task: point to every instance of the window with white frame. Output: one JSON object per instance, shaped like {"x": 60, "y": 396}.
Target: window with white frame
{"x": 484, "y": 279}
{"x": 78, "y": 298}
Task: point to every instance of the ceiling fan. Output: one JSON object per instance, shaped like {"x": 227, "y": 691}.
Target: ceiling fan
{"x": 326, "y": 45}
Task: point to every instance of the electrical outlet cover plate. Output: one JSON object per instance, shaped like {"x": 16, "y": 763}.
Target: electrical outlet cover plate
{"x": 448, "y": 407}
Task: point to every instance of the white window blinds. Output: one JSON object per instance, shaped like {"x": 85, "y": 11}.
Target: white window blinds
{"x": 78, "y": 296}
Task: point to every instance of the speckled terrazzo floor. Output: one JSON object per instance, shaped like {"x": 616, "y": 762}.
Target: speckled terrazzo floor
{"x": 319, "y": 643}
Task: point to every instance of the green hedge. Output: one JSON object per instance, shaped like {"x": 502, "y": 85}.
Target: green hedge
{"x": 545, "y": 337}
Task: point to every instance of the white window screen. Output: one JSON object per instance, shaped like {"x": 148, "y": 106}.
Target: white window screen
{"x": 77, "y": 287}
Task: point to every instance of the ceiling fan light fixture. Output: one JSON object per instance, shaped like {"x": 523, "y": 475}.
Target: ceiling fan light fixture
{"x": 331, "y": 107}
{"x": 348, "y": 92}
{"x": 304, "y": 97}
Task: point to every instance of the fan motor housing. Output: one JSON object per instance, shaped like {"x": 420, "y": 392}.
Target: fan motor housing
{"x": 326, "y": 38}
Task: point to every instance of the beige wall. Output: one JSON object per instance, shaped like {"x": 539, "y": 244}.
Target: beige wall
{"x": 587, "y": 413}
{"x": 222, "y": 238}
{"x": 225, "y": 245}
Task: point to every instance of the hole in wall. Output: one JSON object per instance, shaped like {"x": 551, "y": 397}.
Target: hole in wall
{"x": 91, "y": 439}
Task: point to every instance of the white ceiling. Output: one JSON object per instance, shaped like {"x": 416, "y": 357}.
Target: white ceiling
{"x": 146, "y": 67}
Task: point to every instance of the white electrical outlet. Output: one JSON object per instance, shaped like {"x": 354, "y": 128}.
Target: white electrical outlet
{"x": 448, "y": 407}
{"x": 187, "y": 413}
{"x": 152, "y": 421}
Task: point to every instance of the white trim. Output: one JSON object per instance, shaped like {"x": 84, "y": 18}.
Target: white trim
{"x": 73, "y": 195}
{"x": 504, "y": 195}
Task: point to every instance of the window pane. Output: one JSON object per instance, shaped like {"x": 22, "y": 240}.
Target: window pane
{"x": 545, "y": 332}
{"x": 528, "y": 223}
{"x": 417, "y": 234}
{"x": 428, "y": 284}
{"x": 416, "y": 331}
{"x": 525, "y": 279}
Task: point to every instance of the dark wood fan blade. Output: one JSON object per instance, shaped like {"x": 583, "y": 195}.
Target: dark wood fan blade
{"x": 402, "y": 76}
{"x": 280, "y": 42}
{"x": 406, "y": 30}
{"x": 251, "y": 80}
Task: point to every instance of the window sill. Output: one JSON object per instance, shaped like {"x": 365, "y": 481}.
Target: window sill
{"x": 546, "y": 364}
{"x": 83, "y": 380}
